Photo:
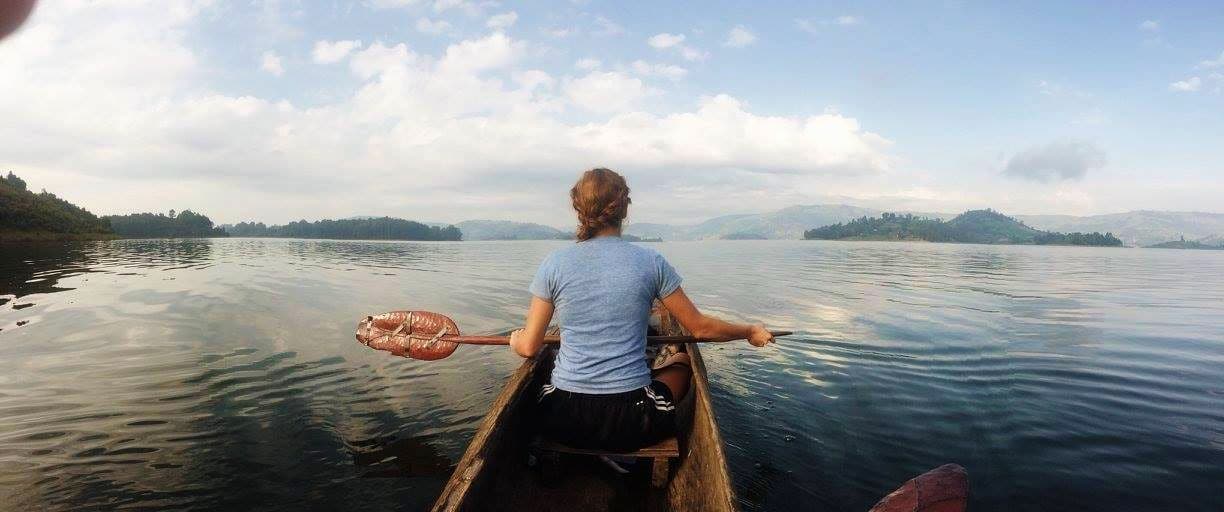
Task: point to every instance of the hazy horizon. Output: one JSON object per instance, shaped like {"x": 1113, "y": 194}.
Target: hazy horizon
{"x": 451, "y": 110}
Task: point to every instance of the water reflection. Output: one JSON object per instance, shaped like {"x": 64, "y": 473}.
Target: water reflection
{"x": 223, "y": 374}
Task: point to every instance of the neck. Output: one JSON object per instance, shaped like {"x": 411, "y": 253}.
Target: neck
{"x": 608, "y": 232}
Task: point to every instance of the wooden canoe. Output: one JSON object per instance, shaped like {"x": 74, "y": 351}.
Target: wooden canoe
{"x": 494, "y": 474}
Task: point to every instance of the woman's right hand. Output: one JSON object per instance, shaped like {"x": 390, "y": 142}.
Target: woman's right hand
{"x": 759, "y": 336}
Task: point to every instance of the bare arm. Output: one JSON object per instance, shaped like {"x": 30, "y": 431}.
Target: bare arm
{"x": 527, "y": 341}
{"x": 710, "y": 328}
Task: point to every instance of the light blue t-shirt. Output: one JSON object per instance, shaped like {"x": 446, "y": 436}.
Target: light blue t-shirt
{"x": 602, "y": 290}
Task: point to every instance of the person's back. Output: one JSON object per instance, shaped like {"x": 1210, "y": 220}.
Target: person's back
{"x": 602, "y": 290}
{"x": 602, "y": 393}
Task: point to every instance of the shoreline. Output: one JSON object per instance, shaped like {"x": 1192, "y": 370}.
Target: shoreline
{"x": 45, "y": 236}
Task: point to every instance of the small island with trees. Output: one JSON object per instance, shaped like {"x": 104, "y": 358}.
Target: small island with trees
{"x": 378, "y": 228}
{"x": 973, "y": 227}
{"x": 1187, "y": 244}
{"x": 184, "y": 224}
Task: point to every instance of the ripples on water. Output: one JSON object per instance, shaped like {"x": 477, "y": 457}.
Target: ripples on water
{"x": 223, "y": 374}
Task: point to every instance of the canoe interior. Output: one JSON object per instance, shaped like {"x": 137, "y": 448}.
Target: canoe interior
{"x": 494, "y": 474}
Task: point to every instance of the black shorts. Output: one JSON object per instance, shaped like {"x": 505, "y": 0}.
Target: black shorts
{"x": 620, "y": 422}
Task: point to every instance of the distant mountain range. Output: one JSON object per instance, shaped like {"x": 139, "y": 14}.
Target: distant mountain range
{"x": 1136, "y": 228}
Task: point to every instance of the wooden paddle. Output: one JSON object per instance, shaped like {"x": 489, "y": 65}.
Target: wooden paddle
{"x": 428, "y": 336}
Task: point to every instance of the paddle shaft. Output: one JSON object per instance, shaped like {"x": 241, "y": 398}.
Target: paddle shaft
{"x": 650, "y": 340}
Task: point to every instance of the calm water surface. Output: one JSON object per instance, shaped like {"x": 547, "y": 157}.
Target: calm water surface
{"x": 222, "y": 374}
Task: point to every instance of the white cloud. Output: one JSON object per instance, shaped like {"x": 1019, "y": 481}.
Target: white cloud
{"x": 667, "y": 71}
{"x": 588, "y": 64}
{"x": 533, "y": 79}
{"x": 605, "y": 92}
{"x": 271, "y": 62}
{"x": 739, "y": 37}
{"x": 328, "y": 52}
{"x": 475, "y": 55}
{"x": 503, "y": 20}
{"x": 1150, "y": 26}
{"x": 721, "y": 134}
{"x": 388, "y": 4}
{"x": 605, "y": 27}
{"x": 468, "y": 7}
{"x": 1191, "y": 84}
{"x": 812, "y": 26}
{"x": 1208, "y": 80}
{"x": 561, "y": 32}
{"x": 379, "y": 58}
{"x": 690, "y": 53}
{"x": 427, "y": 26}
{"x": 1058, "y": 90}
{"x": 665, "y": 40}
{"x": 1212, "y": 63}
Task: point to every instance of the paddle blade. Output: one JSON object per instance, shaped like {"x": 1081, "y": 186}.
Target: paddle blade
{"x": 415, "y": 334}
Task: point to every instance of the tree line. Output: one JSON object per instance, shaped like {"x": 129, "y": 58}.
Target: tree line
{"x": 25, "y": 213}
{"x": 381, "y": 228}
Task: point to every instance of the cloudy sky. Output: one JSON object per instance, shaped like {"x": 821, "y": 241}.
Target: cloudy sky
{"x": 446, "y": 110}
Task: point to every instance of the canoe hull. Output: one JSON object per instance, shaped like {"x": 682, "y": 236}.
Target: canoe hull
{"x": 493, "y": 472}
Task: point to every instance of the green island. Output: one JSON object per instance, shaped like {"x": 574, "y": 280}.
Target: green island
{"x": 973, "y": 227}
{"x": 1186, "y": 244}
{"x": 740, "y": 235}
{"x": 633, "y": 238}
{"x": 379, "y": 228}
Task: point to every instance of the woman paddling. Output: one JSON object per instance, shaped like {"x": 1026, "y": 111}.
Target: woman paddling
{"x": 603, "y": 394}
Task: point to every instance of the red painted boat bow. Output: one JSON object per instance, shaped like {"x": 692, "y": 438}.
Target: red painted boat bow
{"x": 943, "y": 489}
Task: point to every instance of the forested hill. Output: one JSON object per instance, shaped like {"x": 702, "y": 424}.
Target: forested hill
{"x": 185, "y": 224}
{"x": 975, "y": 226}
{"x": 382, "y": 228}
{"x": 26, "y": 215}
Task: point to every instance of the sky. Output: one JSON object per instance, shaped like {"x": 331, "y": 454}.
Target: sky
{"x": 447, "y": 110}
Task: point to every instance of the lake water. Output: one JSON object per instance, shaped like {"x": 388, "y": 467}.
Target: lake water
{"x": 223, "y": 374}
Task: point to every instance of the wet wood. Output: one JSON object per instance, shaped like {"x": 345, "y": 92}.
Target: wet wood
{"x": 469, "y": 470}
{"x": 665, "y": 448}
{"x": 702, "y": 481}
